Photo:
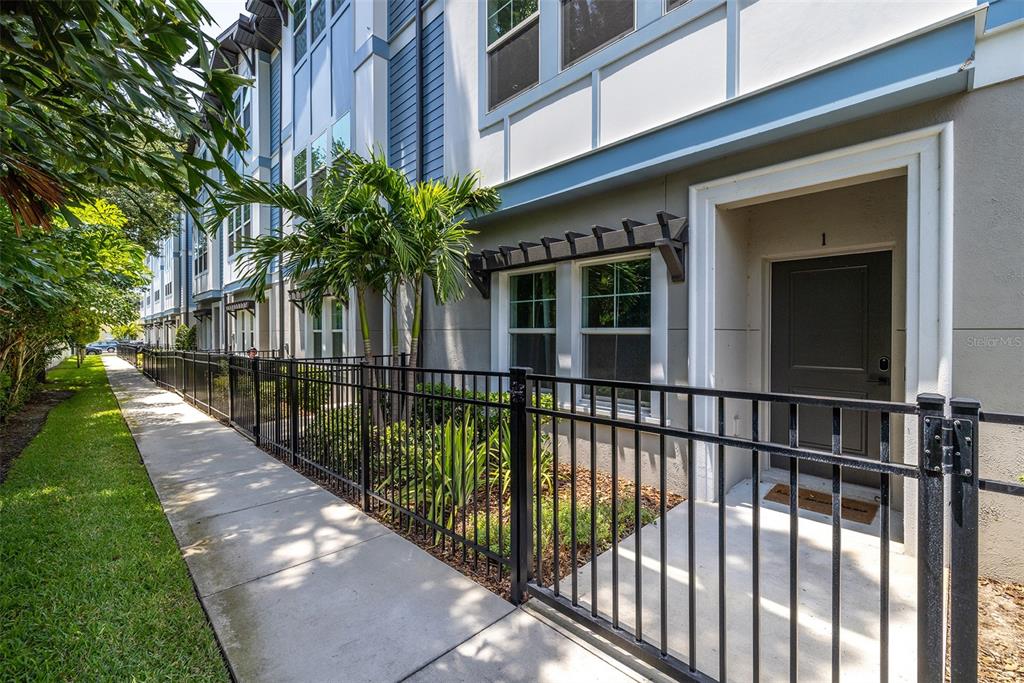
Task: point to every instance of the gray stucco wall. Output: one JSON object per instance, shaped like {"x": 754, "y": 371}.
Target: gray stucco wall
{"x": 988, "y": 355}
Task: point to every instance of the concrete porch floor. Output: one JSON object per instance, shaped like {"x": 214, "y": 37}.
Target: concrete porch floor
{"x": 859, "y": 592}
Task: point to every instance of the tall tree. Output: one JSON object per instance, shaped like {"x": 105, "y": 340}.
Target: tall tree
{"x": 60, "y": 287}
{"x": 339, "y": 241}
{"x": 369, "y": 228}
{"x": 89, "y": 97}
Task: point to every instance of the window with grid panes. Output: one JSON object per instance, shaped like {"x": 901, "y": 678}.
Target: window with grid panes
{"x": 299, "y": 22}
{"x": 337, "y": 328}
{"x": 239, "y": 227}
{"x": 616, "y": 325}
{"x": 532, "y": 321}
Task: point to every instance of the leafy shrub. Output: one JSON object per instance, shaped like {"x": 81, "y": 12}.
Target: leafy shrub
{"x": 185, "y": 338}
{"x": 433, "y": 411}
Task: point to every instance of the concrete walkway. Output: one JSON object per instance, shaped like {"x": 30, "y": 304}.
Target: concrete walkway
{"x": 300, "y": 585}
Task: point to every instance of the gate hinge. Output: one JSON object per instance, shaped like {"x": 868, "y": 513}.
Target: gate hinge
{"x": 949, "y": 445}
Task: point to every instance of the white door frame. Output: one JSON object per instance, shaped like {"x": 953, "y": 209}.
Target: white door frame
{"x": 926, "y": 157}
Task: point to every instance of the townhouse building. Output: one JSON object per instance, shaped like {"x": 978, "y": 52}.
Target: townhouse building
{"x": 808, "y": 197}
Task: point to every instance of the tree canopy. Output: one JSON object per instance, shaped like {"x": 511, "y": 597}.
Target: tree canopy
{"x": 368, "y": 229}
{"x": 60, "y": 287}
{"x": 89, "y": 98}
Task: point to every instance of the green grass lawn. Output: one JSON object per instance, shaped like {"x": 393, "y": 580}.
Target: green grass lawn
{"x": 92, "y": 584}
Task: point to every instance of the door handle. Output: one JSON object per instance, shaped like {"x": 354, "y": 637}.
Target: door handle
{"x": 879, "y": 379}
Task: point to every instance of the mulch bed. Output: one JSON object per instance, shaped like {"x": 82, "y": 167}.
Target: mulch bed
{"x": 21, "y": 427}
{"x": 1000, "y": 631}
{"x": 481, "y": 569}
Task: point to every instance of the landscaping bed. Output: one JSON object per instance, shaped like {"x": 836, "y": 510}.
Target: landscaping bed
{"x": 93, "y": 585}
{"x": 20, "y": 428}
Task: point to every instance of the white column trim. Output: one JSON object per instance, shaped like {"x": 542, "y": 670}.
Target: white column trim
{"x": 926, "y": 157}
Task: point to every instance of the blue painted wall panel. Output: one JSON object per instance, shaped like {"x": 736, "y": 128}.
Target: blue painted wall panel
{"x": 300, "y": 106}
{"x": 321, "y": 95}
{"x": 341, "y": 63}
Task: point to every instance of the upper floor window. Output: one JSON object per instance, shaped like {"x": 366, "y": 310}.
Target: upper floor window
{"x": 513, "y": 48}
{"x": 588, "y": 25}
{"x": 532, "y": 321}
{"x": 319, "y": 155}
{"x": 672, "y": 4}
{"x": 200, "y": 261}
{"x": 319, "y": 20}
{"x": 341, "y": 133}
{"x": 299, "y": 171}
{"x": 239, "y": 227}
{"x": 300, "y": 30}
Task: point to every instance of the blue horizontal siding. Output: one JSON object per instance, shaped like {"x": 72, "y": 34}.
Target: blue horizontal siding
{"x": 402, "y": 110}
{"x": 275, "y": 103}
{"x": 399, "y": 12}
{"x": 432, "y": 105}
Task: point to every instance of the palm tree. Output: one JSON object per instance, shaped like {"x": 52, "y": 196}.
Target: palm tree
{"x": 340, "y": 240}
{"x": 430, "y": 219}
{"x": 369, "y": 228}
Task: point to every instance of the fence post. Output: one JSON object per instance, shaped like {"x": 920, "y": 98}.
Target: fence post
{"x": 364, "y": 432}
{"x": 931, "y": 634}
{"x": 256, "y": 400}
{"x": 519, "y": 450}
{"x": 963, "y": 617}
{"x": 293, "y": 409}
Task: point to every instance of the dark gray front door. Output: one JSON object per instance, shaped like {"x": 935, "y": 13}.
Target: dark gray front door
{"x": 831, "y": 335}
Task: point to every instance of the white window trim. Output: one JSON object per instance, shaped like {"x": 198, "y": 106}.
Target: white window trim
{"x": 568, "y": 331}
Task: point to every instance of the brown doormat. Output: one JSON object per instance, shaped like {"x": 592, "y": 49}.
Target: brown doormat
{"x": 854, "y": 509}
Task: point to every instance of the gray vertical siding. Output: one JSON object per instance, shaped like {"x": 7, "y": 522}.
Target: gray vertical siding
{"x": 433, "y": 99}
{"x": 402, "y": 110}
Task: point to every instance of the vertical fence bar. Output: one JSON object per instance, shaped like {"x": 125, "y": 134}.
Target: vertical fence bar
{"x": 930, "y": 521}
{"x": 364, "y": 432}
{"x": 232, "y": 380}
{"x": 963, "y": 615}
{"x": 837, "y": 541}
{"x": 256, "y": 413}
{"x": 293, "y": 409}
{"x": 519, "y": 448}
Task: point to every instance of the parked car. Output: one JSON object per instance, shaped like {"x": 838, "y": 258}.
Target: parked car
{"x": 96, "y": 348}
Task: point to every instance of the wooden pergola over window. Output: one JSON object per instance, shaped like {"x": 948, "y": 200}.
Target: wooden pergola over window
{"x": 669, "y": 235}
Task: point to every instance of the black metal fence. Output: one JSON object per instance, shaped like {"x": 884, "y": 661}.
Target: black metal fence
{"x": 565, "y": 488}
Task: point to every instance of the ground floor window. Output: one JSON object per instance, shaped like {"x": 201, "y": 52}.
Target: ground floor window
{"x": 593, "y": 319}
{"x": 532, "y": 321}
{"x": 317, "y": 330}
{"x": 337, "y": 328}
{"x": 616, "y": 324}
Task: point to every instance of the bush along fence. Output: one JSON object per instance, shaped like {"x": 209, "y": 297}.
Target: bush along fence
{"x": 563, "y": 490}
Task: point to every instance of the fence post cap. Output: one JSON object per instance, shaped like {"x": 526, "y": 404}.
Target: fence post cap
{"x": 965, "y": 405}
{"x": 931, "y": 400}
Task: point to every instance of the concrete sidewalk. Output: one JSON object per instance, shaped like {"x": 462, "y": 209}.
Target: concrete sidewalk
{"x": 300, "y": 585}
